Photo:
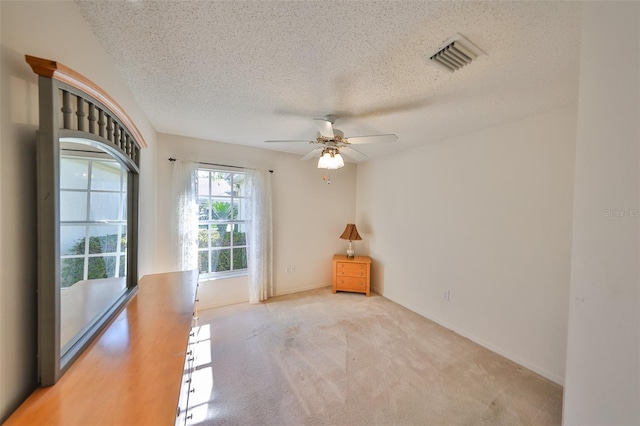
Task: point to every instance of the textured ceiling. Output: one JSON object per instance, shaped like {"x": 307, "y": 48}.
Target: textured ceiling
{"x": 246, "y": 71}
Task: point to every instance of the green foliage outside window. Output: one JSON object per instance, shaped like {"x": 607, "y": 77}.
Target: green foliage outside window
{"x": 221, "y": 259}
{"x": 220, "y": 210}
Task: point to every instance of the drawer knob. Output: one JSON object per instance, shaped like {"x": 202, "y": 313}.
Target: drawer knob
{"x": 341, "y": 273}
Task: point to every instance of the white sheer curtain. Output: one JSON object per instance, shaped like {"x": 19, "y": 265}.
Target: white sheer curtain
{"x": 260, "y": 247}
{"x": 184, "y": 235}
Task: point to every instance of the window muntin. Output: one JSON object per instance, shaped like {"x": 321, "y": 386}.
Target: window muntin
{"x": 222, "y": 223}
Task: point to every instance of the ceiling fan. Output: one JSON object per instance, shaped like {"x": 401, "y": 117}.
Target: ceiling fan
{"x": 331, "y": 142}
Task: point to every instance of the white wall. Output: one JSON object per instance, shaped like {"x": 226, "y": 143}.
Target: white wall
{"x": 52, "y": 30}
{"x": 486, "y": 216}
{"x": 603, "y": 359}
{"x": 308, "y": 214}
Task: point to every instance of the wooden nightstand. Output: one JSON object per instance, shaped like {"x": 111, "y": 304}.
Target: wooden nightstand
{"x": 352, "y": 274}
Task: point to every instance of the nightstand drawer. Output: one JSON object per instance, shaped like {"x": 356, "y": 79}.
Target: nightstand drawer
{"x": 351, "y": 283}
{"x": 351, "y": 269}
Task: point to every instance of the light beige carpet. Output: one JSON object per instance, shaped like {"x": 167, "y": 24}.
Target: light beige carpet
{"x": 317, "y": 358}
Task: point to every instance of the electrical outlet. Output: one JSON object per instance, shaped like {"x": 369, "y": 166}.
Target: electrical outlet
{"x": 446, "y": 295}
{"x": 293, "y": 269}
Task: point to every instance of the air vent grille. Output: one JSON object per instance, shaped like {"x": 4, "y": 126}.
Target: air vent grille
{"x": 454, "y": 54}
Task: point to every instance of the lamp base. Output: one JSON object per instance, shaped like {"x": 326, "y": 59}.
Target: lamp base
{"x": 350, "y": 251}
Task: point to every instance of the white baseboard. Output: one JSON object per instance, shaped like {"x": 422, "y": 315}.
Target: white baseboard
{"x": 202, "y": 307}
{"x": 301, "y": 289}
{"x": 529, "y": 366}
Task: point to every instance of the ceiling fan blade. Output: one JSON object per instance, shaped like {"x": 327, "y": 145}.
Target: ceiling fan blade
{"x": 324, "y": 127}
{"x": 286, "y": 141}
{"x": 355, "y": 154}
{"x": 356, "y": 140}
{"x": 315, "y": 153}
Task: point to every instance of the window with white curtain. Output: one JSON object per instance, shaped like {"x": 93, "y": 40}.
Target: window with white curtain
{"x": 223, "y": 220}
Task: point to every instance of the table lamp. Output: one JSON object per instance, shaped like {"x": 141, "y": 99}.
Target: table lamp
{"x": 350, "y": 233}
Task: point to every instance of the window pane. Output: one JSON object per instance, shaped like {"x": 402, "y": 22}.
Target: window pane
{"x": 74, "y": 173}
{"x": 239, "y": 185}
{"x": 72, "y": 271}
{"x": 240, "y": 234}
{"x": 124, "y": 206}
{"x": 221, "y": 209}
{"x": 220, "y": 235}
{"x": 236, "y": 210}
{"x": 103, "y": 239}
{"x": 105, "y": 176}
{"x": 203, "y": 183}
{"x": 102, "y": 267}
{"x": 239, "y": 258}
{"x": 104, "y": 206}
{"x": 203, "y": 209}
{"x": 203, "y": 236}
{"x": 73, "y": 206}
{"x": 123, "y": 238}
{"x": 242, "y": 206}
{"x": 220, "y": 183}
{"x": 203, "y": 262}
{"x": 220, "y": 260}
{"x": 123, "y": 266}
{"x": 72, "y": 239}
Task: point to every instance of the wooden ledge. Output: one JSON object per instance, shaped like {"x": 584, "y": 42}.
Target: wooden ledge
{"x": 57, "y": 71}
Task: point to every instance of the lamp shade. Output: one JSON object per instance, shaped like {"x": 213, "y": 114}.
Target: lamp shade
{"x": 351, "y": 233}
{"x": 338, "y": 161}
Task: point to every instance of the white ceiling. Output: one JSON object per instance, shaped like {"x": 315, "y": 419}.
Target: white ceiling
{"x": 244, "y": 72}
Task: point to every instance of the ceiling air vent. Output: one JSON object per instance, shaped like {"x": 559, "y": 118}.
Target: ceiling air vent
{"x": 454, "y": 54}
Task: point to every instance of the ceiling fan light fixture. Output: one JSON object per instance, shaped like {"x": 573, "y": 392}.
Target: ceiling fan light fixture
{"x": 323, "y": 161}
{"x": 331, "y": 141}
{"x": 330, "y": 160}
{"x": 338, "y": 161}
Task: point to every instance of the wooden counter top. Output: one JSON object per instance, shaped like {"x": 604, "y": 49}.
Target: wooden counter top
{"x": 132, "y": 373}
